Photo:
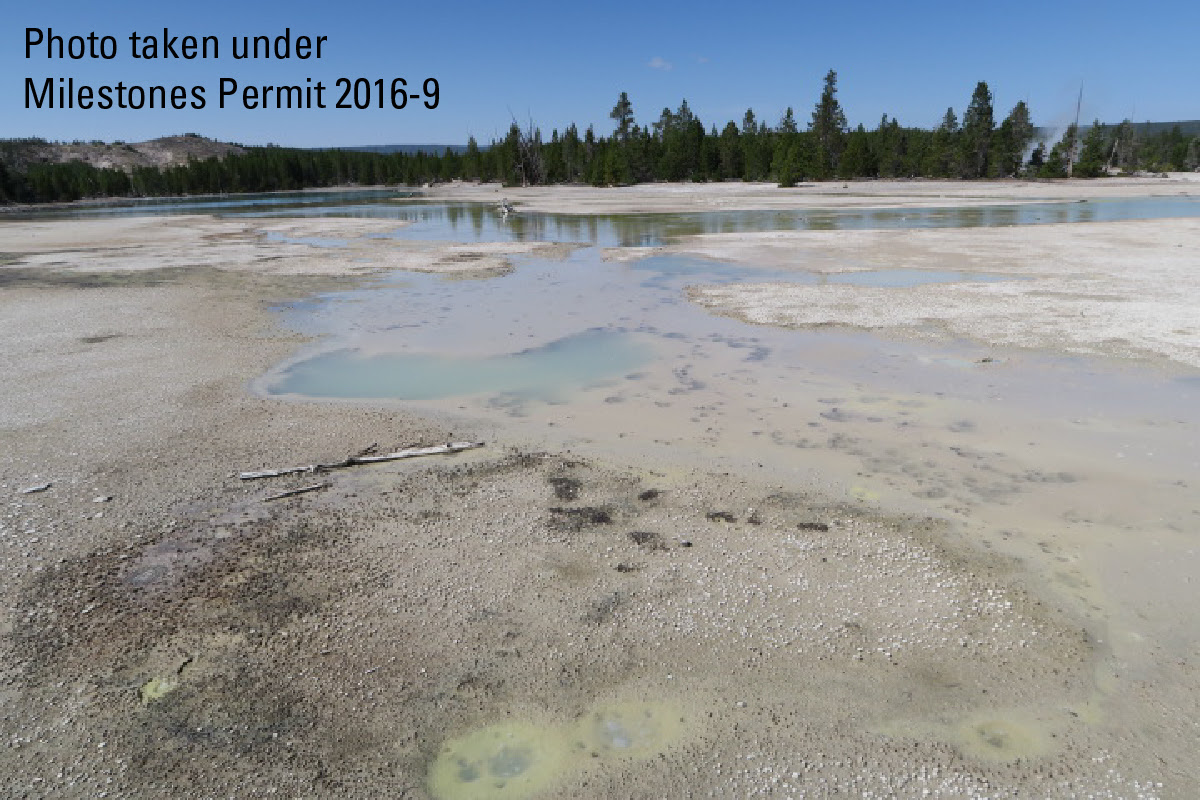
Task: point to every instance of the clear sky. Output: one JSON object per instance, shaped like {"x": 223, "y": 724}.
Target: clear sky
{"x": 561, "y": 62}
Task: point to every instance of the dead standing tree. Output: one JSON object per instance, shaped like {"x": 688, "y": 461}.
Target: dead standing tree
{"x": 526, "y": 148}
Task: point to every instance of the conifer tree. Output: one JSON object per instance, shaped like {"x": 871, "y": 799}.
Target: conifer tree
{"x": 943, "y": 155}
{"x": 622, "y": 113}
{"x": 976, "y": 138}
{"x": 1093, "y": 157}
{"x": 1010, "y": 141}
{"x": 788, "y": 122}
{"x": 828, "y": 127}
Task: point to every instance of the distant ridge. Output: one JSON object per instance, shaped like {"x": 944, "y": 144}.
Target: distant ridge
{"x": 1187, "y": 127}
{"x": 407, "y": 149}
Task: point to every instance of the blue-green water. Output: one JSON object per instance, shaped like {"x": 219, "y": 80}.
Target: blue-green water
{"x": 548, "y": 328}
{"x": 539, "y": 373}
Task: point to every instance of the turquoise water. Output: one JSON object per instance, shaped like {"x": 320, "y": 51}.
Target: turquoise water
{"x": 537, "y": 334}
{"x": 541, "y": 373}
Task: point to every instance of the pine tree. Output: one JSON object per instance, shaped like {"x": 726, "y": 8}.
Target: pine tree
{"x": 1022, "y": 126}
{"x": 1037, "y": 159}
{"x": 623, "y": 114}
{"x": 943, "y": 157}
{"x": 829, "y": 127}
{"x": 787, "y": 124}
{"x": 1093, "y": 157}
{"x": 1010, "y": 141}
{"x": 1060, "y": 156}
{"x": 730, "y": 148}
{"x": 472, "y": 168}
{"x": 857, "y": 160}
{"x": 889, "y": 148}
{"x": 977, "y": 127}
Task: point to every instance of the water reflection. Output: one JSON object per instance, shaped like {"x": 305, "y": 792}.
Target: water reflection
{"x": 482, "y": 222}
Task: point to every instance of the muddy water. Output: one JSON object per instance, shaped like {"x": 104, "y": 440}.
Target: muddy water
{"x": 1081, "y": 468}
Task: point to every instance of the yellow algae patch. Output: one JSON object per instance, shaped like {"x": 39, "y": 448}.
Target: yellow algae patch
{"x": 1001, "y": 738}
{"x": 628, "y": 730}
{"x": 863, "y": 494}
{"x": 156, "y": 689}
{"x": 509, "y": 760}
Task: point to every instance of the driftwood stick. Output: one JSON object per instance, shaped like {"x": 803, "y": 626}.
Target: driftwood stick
{"x": 301, "y": 490}
{"x": 412, "y": 452}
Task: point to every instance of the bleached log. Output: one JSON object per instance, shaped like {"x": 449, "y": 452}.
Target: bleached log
{"x": 301, "y": 490}
{"x": 412, "y": 452}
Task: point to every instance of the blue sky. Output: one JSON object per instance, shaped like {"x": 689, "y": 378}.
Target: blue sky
{"x": 558, "y": 62}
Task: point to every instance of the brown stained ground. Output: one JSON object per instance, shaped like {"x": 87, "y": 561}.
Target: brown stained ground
{"x": 331, "y": 644}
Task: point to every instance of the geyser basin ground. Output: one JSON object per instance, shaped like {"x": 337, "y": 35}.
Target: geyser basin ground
{"x": 336, "y": 642}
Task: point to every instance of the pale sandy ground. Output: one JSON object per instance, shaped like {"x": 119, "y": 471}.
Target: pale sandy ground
{"x": 679, "y": 633}
{"x": 189, "y": 242}
{"x": 1126, "y": 289}
{"x": 671, "y": 197}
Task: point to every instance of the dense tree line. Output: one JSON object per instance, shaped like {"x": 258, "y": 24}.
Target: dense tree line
{"x": 675, "y": 147}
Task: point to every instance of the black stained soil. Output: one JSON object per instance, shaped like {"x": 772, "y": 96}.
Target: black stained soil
{"x": 327, "y": 645}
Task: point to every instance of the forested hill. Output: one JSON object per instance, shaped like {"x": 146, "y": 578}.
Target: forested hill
{"x": 676, "y": 146}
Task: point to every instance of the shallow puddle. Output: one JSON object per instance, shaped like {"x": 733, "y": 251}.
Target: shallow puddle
{"x": 1002, "y": 738}
{"x": 551, "y": 327}
{"x": 544, "y": 373}
{"x": 521, "y": 759}
{"x": 507, "y": 760}
{"x": 628, "y": 730}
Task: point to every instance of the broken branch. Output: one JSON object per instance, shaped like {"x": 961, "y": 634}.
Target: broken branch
{"x": 412, "y": 452}
{"x": 301, "y": 490}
